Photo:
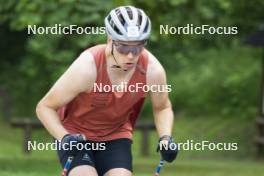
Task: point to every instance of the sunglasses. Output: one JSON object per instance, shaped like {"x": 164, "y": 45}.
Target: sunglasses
{"x": 126, "y": 49}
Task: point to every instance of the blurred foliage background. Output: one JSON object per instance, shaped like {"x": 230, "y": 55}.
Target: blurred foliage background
{"x": 212, "y": 76}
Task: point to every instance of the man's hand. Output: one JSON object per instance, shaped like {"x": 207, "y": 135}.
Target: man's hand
{"x": 69, "y": 142}
{"x": 168, "y": 149}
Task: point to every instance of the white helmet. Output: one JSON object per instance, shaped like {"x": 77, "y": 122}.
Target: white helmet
{"x": 127, "y": 23}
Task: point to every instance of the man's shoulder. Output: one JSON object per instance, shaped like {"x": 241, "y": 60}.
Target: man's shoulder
{"x": 154, "y": 66}
{"x": 94, "y": 50}
{"x": 86, "y": 61}
{"x": 84, "y": 67}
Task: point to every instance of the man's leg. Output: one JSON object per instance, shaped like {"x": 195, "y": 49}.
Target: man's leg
{"x": 119, "y": 172}
{"x": 82, "y": 164}
{"x": 83, "y": 170}
{"x": 116, "y": 159}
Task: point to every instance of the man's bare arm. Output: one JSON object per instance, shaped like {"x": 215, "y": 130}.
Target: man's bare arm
{"x": 162, "y": 109}
{"x": 79, "y": 77}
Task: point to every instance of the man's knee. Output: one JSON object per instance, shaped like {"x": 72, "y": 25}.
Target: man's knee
{"x": 83, "y": 170}
{"x": 119, "y": 172}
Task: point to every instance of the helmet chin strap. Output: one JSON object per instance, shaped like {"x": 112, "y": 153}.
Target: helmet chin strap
{"x": 116, "y": 65}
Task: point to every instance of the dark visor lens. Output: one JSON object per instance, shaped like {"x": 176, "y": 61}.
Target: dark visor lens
{"x": 126, "y": 49}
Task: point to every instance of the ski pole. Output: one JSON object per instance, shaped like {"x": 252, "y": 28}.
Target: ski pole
{"x": 158, "y": 169}
{"x": 67, "y": 166}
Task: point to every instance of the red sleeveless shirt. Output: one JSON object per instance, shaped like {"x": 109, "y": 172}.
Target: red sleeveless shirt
{"x": 104, "y": 116}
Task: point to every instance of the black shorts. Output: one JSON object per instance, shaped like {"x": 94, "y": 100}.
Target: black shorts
{"x": 117, "y": 154}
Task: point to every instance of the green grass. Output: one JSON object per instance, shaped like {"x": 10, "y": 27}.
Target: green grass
{"x": 32, "y": 166}
{"x": 213, "y": 129}
{"x": 197, "y": 163}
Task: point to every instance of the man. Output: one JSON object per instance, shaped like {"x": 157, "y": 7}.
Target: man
{"x": 73, "y": 111}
